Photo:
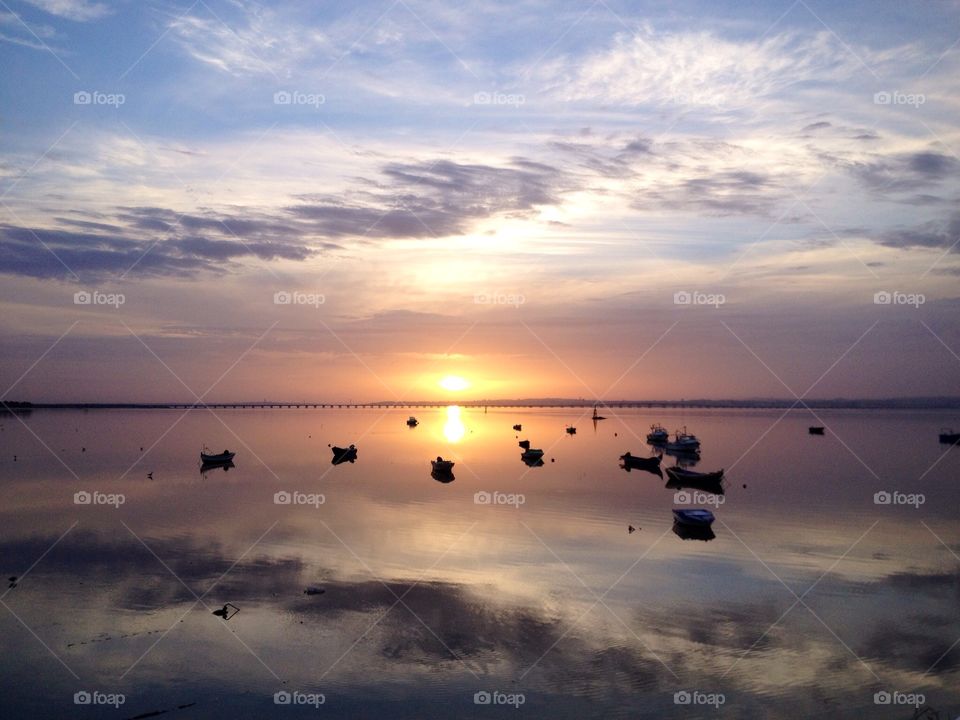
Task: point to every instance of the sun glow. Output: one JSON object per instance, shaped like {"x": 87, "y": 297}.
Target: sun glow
{"x": 454, "y": 383}
{"x": 453, "y": 429}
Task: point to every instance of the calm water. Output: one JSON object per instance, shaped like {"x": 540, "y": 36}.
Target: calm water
{"x": 810, "y": 599}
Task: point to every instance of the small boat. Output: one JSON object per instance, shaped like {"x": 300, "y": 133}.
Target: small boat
{"x": 693, "y": 532}
{"x": 571, "y": 430}
{"x": 531, "y": 454}
{"x": 531, "y": 461}
{"x": 815, "y": 430}
{"x": 949, "y": 437}
{"x": 442, "y": 466}
{"x": 218, "y": 459}
{"x": 518, "y": 428}
{"x": 658, "y": 434}
{"x": 342, "y": 455}
{"x": 678, "y": 474}
{"x": 412, "y": 421}
{"x": 525, "y": 444}
{"x": 684, "y": 442}
{"x": 633, "y": 462}
{"x": 595, "y": 416}
{"x": 696, "y": 518}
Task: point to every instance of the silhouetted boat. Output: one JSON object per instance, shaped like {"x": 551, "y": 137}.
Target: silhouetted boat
{"x": 442, "y": 466}
{"x": 658, "y": 434}
{"x": 342, "y": 455}
{"x": 532, "y": 461}
{"x": 693, "y": 532}
{"x": 684, "y": 442}
{"x": 678, "y": 474}
{"x": 531, "y": 454}
{"x": 648, "y": 464}
{"x": 815, "y": 430}
{"x": 571, "y": 430}
{"x": 218, "y": 459}
{"x": 595, "y": 416}
{"x": 412, "y": 421}
{"x": 525, "y": 444}
{"x": 949, "y": 437}
{"x": 696, "y": 517}
{"x": 442, "y": 477}
{"x": 518, "y": 428}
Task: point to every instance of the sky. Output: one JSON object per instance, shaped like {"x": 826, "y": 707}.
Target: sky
{"x": 356, "y": 201}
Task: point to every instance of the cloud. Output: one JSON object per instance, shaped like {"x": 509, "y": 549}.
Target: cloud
{"x": 932, "y": 234}
{"x": 77, "y": 10}
{"x": 905, "y": 171}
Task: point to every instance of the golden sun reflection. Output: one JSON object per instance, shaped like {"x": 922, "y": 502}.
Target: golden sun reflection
{"x": 453, "y": 429}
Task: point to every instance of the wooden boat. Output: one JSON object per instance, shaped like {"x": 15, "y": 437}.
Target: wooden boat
{"x": 571, "y": 430}
{"x": 678, "y": 474}
{"x": 949, "y": 437}
{"x": 815, "y": 430}
{"x": 412, "y": 421}
{"x": 649, "y": 464}
{"x": 342, "y": 455}
{"x": 696, "y": 517}
{"x": 442, "y": 466}
{"x": 658, "y": 434}
{"x": 216, "y": 459}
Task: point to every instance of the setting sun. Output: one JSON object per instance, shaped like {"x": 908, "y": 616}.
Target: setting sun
{"x": 454, "y": 383}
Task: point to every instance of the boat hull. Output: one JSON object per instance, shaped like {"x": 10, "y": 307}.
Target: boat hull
{"x": 216, "y": 459}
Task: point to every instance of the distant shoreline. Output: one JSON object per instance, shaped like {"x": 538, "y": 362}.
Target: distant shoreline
{"x": 948, "y": 403}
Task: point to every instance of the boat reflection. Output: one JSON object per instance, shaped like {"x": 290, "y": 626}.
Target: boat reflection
{"x": 693, "y": 532}
{"x": 685, "y": 458}
{"x": 651, "y": 465}
{"x": 207, "y": 467}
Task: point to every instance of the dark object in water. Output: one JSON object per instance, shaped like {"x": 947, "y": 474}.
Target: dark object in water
{"x": 697, "y": 517}
{"x": 223, "y": 457}
{"x": 342, "y": 455}
{"x": 207, "y": 467}
{"x": 525, "y": 444}
{"x": 692, "y": 532}
{"x": 571, "y": 430}
{"x": 816, "y": 429}
{"x": 150, "y": 475}
{"x": 532, "y": 461}
{"x": 13, "y": 581}
{"x": 679, "y": 475}
{"x": 518, "y": 427}
{"x": 442, "y": 470}
{"x": 595, "y": 416}
{"x": 412, "y": 421}
{"x": 225, "y": 613}
{"x": 631, "y": 529}
{"x": 949, "y": 437}
{"x": 648, "y": 464}
{"x": 314, "y": 591}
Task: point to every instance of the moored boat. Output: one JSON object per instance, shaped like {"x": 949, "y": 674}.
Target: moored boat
{"x": 658, "y": 434}
{"x": 532, "y": 454}
{"x": 412, "y": 421}
{"x": 518, "y": 428}
{"x": 949, "y": 437}
{"x": 441, "y": 466}
{"x": 816, "y": 430}
{"x": 342, "y": 455}
{"x": 696, "y": 517}
{"x": 216, "y": 458}
{"x": 679, "y": 475}
{"x": 684, "y": 442}
{"x": 571, "y": 430}
{"x": 525, "y": 444}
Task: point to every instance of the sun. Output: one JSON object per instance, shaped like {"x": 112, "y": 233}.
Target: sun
{"x": 454, "y": 383}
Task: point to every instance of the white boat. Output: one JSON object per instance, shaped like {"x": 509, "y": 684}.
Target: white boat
{"x": 658, "y": 434}
{"x": 684, "y": 442}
